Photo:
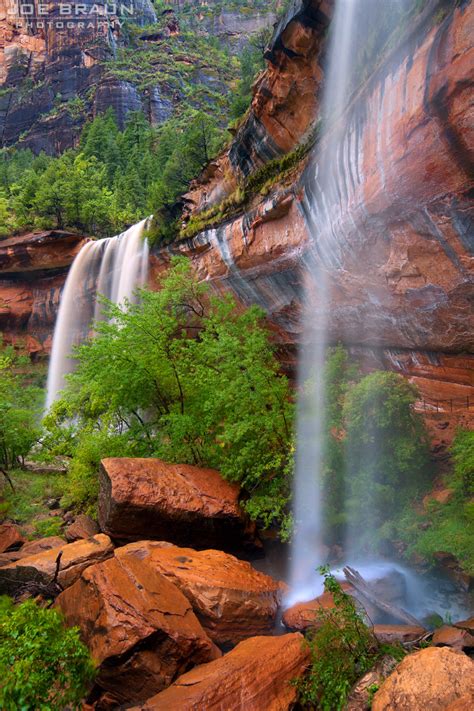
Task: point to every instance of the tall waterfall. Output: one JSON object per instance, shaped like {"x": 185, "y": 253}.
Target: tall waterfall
{"x": 112, "y": 267}
{"x": 323, "y": 212}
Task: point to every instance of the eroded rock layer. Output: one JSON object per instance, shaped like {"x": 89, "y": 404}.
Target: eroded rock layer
{"x": 399, "y": 254}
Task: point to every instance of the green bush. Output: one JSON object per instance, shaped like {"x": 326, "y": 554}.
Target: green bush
{"x": 43, "y": 665}
{"x": 187, "y": 377}
{"x": 19, "y": 410}
{"x": 342, "y": 649}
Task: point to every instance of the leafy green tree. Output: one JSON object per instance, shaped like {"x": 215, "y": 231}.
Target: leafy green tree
{"x": 187, "y": 377}
{"x": 43, "y": 665}
{"x": 19, "y": 411}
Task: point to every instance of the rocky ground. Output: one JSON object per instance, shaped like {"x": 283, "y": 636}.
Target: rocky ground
{"x": 174, "y": 622}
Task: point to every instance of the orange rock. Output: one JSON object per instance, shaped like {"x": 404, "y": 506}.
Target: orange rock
{"x": 432, "y": 678}
{"x": 232, "y": 600}
{"x": 138, "y": 626}
{"x": 304, "y": 615}
{"x": 10, "y": 537}
{"x": 440, "y": 496}
{"x": 32, "y": 548}
{"x": 391, "y": 634}
{"x": 454, "y": 637}
{"x": 147, "y": 498}
{"x": 82, "y": 527}
{"x": 41, "y": 567}
{"x": 255, "y": 676}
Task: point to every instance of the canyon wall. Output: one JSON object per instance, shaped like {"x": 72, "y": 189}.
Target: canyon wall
{"x": 33, "y": 270}
{"x": 399, "y": 256}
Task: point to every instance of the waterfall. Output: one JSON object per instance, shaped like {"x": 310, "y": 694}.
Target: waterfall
{"x": 323, "y": 214}
{"x": 112, "y": 267}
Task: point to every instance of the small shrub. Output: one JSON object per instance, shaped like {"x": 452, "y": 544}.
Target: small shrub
{"x": 43, "y": 665}
{"x": 342, "y": 650}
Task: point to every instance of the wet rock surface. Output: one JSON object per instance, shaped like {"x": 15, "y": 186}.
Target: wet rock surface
{"x": 40, "y": 567}
{"x": 232, "y": 600}
{"x": 139, "y": 627}
{"x": 432, "y": 679}
{"x": 255, "y": 676}
{"x": 147, "y": 498}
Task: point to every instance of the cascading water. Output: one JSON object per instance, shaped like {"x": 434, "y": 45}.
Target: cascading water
{"x": 113, "y": 268}
{"x": 323, "y": 213}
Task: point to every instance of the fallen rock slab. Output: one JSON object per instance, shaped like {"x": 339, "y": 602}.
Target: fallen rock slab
{"x": 186, "y": 505}
{"x": 255, "y": 676}
{"x": 453, "y": 636}
{"x": 82, "y": 527}
{"x": 138, "y": 626}
{"x": 432, "y": 678}
{"x": 10, "y": 537}
{"x": 232, "y": 600}
{"x": 32, "y": 548}
{"x": 40, "y": 568}
{"x": 401, "y": 634}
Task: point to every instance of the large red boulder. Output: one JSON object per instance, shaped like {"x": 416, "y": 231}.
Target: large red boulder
{"x": 32, "y": 548}
{"x": 303, "y": 615}
{"x": 434, "y": 678}
{"x": 147, "y": 498}
{"x": 255, "y": 676}
{"x": 40, "y": 568}
{"x": 232, "y": 600}
{"x": 138, "y": 626}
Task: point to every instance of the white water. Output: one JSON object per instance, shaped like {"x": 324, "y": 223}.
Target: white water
{"x": 322, "y": 215}
{"x": 112, "y": 267}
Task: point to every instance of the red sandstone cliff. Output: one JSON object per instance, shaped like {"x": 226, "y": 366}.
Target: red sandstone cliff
{"x": 401, "y": 281}
{"x": 33, "y": 269}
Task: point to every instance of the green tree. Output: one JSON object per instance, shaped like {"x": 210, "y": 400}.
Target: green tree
{"x": 19, "y": 411}
{"x": 43, "y": 665}
{"x": 187, "y": 377}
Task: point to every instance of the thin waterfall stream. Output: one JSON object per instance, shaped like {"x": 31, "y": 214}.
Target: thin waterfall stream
{"x": 112, "y": 268}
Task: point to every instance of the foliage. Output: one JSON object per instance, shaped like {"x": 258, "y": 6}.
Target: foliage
{"x": 52, "y": 526}
{"x": 387, "y": 454}
{"x": 19, "y": 410}
{"x": 342, "y": 649}
{"x": 446, "y": 527}
{"x": 187, "y": 377}
{"x": 43, "y": 665}
{"x": 114, "y": 178}
{"x": 29, "y": 499}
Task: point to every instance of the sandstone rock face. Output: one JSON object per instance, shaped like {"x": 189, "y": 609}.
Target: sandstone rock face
{"x": 432, "y": 679}
{"x": 40, "y": 567}
{"x": 82, "y": 527}
{"x": 147, "y": 498}
{"x": 401, "y": 266}
{"x": 255, "y": 676}
{"x": 33, "y": 270}
{"x": 231, "y": 599}
{"x": 139, "y": 627}
{"x": 10, "y": 537}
